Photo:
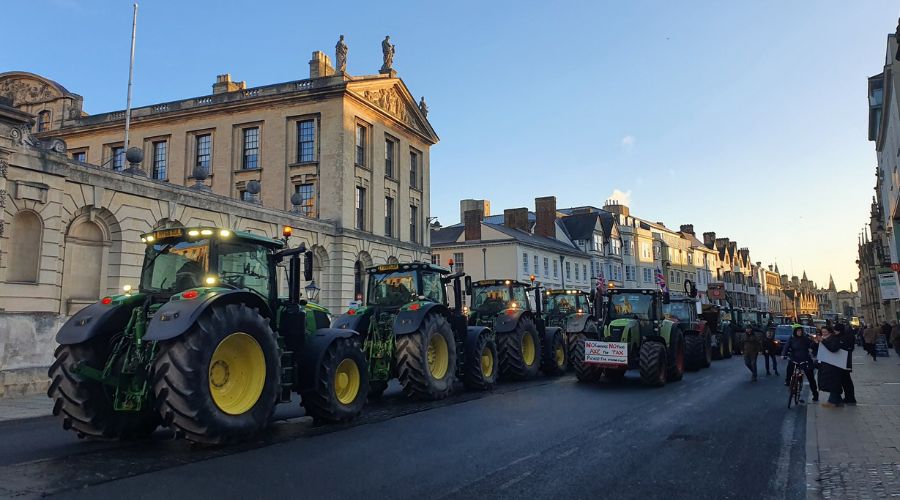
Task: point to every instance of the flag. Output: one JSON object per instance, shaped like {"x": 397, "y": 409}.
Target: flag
{"x": 601, "y": 282}
{"x": 661, "y": 281}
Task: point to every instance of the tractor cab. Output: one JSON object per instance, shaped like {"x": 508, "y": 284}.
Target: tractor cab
{"x": 489, "y": 298}
{"x": 644, "y": 306}
{"x": 682, "y": 311}
{"x": 393, "y": 286}
{"x": 561, "y": 304}
{"x": 181, "y": 259}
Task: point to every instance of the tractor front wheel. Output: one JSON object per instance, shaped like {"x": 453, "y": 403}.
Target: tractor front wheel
{"x": 85, "y": 405}
{"x": 426, "y": 359}
{"x": 520, "y": 351}
{"x": 585, "y": 372}
{"x": 707, "y": 352}
{"x": 343, "y": 384}
{"x": 481, "y": 368}
{"x": 219, "y": 382}
{"x": 694, "y": 351}
{"x": 556, "y": 355}
{"x": 653, "y": 363}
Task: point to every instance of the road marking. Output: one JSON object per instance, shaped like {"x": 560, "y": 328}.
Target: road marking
{"x": 567, "y": 453}
{"x": 518, "y": 460}
{"x": 515, "y": 480}
{"x": 780, "y": 480}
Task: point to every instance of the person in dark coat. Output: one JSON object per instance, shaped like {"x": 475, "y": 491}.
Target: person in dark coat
{"x": 830, "y": 376}
{"x": 751, "y": 347}
{"x": 848, "y": 343}
{"x": 771, "y": 350}
{"x": 799, "y": 350}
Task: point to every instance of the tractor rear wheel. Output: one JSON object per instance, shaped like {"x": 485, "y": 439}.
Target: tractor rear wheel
{"x": 219, "y": 382}
{"x": 426, "y": 359}
{"x": 653, "y": 363}
{"x": 676, "y": 357}
{"x": 694, "y": 352}
{"x": 86, "y": 405}
{"x": 585, "y": 372}
{"x": 520, "y": 351}
{"x": 707, "y": 352}
{"x": 343, "y": 384}
{"x": 482, "y": 367}
{"x": 556, "y": 355}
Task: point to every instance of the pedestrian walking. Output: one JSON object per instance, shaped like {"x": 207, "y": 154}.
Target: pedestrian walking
{"x": 799, "y": 350}
{"x": 751, "y": 348}
{"x": 848, "y": 344}
{"x": 870, "y": 335}
{"x": 886, "y": 330}
{"x": 831, "y": 376}
{"x": 771, "y": 350}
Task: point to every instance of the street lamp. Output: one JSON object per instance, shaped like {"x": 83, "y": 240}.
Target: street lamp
{"x": 312, "y": 291}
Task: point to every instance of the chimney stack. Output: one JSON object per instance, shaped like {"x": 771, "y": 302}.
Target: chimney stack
{"x": 687, "y": 229}
{"x": 320, "y": 65}
{"x": 545, "y": 213}
{"x": 615, "y": 207}
{"x": 709, "y": 239}
{"x": 224, "y": 84}
{"x": 472, "y": 220}
{"x": 470, "y": 204}
{"x": 516, "y": 218}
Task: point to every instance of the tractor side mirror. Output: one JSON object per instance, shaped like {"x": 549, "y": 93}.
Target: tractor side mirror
{"x": 307, "y": 266}
{"x": 468, "y": 285}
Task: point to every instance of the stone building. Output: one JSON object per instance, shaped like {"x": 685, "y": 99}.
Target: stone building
{"x": 596, "y": 232}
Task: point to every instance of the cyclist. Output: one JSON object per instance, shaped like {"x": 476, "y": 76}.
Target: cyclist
{"x": 799, "y": 350}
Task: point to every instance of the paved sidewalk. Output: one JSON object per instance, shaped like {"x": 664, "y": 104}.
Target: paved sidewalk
{"x": 854, "y": 451}
{"x": 19, "y": 407}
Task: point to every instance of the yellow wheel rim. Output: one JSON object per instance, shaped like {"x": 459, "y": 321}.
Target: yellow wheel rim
{"x": 487, "y": 362}
{"x": 528, "y": 349}
{"x": 560, "y": 355}
{"x": 438, "y": 356}
{"x": 346, "y": 381}
{"x": 237, "y": 373}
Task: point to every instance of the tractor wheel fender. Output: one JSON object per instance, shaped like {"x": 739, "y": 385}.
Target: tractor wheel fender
{"x": 314, "y": 349}
{"x": 630, "y": 329}
{"x": 94, "y": 320}
{"x": 356, "y": 322}
{"x": 665, "y": 330}
{"x": 472, "y": 335}
{"x": 508, "y": 320}
{"x": 178, "y": 316}
{"x": 409, "y": 321}
{"x": 576, "y": 323}
{"x": 591, "y": 326}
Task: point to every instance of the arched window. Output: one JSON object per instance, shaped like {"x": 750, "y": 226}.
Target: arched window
{"x": 24, "y": 248}
{"x": 43, "y": 121}
{"x": 85, "y": 253}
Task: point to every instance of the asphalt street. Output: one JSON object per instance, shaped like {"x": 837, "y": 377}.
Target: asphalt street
{"x": 713, "y": 435}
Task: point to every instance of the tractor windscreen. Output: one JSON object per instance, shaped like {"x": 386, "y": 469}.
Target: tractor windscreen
{"x": 630, "y": 305}
{"x": 175, "y": 267}
{"x": 562, "y": 304}
{"x": 392, "y": 289}
{"x": 490, "y": 299}
{"x": 678, "y": 311}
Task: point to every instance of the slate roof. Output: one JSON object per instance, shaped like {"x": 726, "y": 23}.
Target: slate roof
{"x": 581, "y": 226}
{"x": 448, "y": 236}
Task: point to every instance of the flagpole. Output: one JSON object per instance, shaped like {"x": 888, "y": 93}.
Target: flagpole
{"x": 130, "y": 76}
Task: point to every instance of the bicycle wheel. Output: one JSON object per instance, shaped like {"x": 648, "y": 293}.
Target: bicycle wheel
{"x": 791, "y": 392}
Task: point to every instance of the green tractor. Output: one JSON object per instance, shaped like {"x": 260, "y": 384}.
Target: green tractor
{"x": 410, "y": 333}
{"x": 526, "y": 344}
{"x": 637, "y": 335}
{"x": 573, "y": 312}
{"x": 204, "y": 345}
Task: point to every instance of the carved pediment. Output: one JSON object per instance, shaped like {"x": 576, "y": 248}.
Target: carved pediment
{"x": 395, "y": 103}
{"x": 27, "y": 91}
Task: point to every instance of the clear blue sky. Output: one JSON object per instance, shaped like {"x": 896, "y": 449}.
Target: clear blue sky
{"x": 744, "y": 118}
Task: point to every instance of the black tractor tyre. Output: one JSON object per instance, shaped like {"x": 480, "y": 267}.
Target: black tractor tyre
{"x": 482, "y": 365}
{"x": 377, "y": 388}
{"x": 584, "y": 372}
{"x": 591, "y": 332}
{"x": 328, "y": 402}
{"x": 652, "y": 358}
{"x": 556, "y": 355}
{"x": 511, "y": 345}
{"x": 676, "y": 356}
{"x": 181, "y": 379}
{"x": 414, "y": 369}
{"x": 85, "y": 405}
{"x": 694, "y": 352}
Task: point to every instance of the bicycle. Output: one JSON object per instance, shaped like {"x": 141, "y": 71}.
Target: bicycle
{"x": 796, "y": 385}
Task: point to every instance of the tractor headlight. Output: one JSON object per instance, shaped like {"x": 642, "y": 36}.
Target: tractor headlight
{"x": 193, "y": 232}
{"x": 211, "y": 280}
{"x": 126, "y": 288}
{"x": 513, "y": 305}
{"x": 206, "y": 232}
{"x": 224, "y": 233}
